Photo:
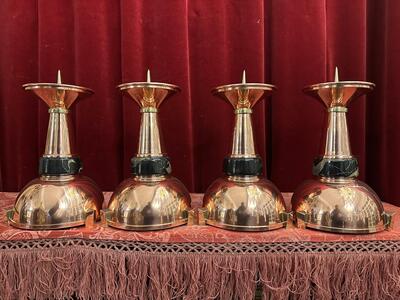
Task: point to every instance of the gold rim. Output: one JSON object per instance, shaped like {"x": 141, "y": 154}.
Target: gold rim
{"x": 145, "y": 227}
{"x": 57, "y": 86}
{"x": 246, "y": 228}
{"x": 375, "y": 229}
{"x": 153, "y": 85}
{"x": 46, "y": 226}
{"x": 243, "y": 86}
{"x": 78, "y": 223}
{"x": 64, "y": 87}
{"x": 339, "y": 84}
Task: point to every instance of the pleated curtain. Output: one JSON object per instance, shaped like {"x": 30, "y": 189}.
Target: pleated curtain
{"x": 200, "y": 44}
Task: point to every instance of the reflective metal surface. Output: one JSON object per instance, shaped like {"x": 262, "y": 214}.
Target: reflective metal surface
{"x": 149, "y": 94}
{"x": 245, "y": 204}
{"x": 338, "y": 93}
{"x": 154, "y": 201}
{"x": 243, "y": 140}
{"x": 57, "y": 94}
{"x": 59, "y": 97}
{"x": 56, "y": 202}
{"x": 337, "y": 144}
{"x": 243, "y": 95}
{"x": 149, "y": 203}
{"x": 338, "y": 203}
{"x": 58, "y": 141}
{"x": 150, "y": 139}
{"x": 346, "y": 206}
{"x": 62, "y": 201}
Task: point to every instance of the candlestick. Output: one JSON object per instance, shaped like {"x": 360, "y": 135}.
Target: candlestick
{"x": 151, "y": 199}
{"x": 243, "y": 200}
{"x": 60, "y": 197}
{"x": 335, "y": 200}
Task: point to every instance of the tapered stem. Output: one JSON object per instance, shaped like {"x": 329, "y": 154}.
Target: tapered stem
{"x": 150, "y": 137}
{"x": 58, "y": 134}
{"x": 337, "y": 144}
{"x": 243, "y": 141}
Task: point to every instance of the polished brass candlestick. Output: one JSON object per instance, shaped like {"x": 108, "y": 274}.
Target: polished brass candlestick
{"x": 242, "y": 200}
{"x": 60, "y": 197}
{"x": 151, "y": 199}
{"x": 336, "y": 201}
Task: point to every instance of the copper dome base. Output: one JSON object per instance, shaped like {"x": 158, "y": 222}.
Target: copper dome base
{"x": 56, "y": 202}
{"x": 148, "y": 203}
{"x": 244, "y": 204}
{"x": 340, "y": 206}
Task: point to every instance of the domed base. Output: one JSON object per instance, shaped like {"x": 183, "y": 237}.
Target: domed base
{"x": 149, "y": 203}
{"x": 339, "y": 205}
{"x": 247, "y": 203}
{"x": 56, "y": 202}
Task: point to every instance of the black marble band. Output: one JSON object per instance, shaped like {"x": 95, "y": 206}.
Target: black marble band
{"x": 338, "y": 167}
{"x": 237, "y": 166}
{"x": 53, "y": 166}
{"x": 145, "y": 166}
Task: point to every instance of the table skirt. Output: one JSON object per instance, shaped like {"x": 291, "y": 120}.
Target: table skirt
{"x": 197, "y": 262}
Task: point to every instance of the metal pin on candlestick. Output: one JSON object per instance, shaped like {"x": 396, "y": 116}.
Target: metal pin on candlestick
{"x": 336, "y": 201}
{"x": 60, "y": 197}
{"x": 242, "y": 200}
{"x": 151, "y": 199}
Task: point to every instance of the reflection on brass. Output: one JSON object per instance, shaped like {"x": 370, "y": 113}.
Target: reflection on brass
{"x": 243, "y": 205}
{"x": 243, "y": 202}
{"x": 202, "y": 216}
{"x": 339, "y": 203}
{"x": 57, "y": 201}
{"x": 152, "y": 203}
{"x": 193, "y": 217}
{"x": 149, "y": 201}
{"x": 104, "y": 216}
{"x": 347, "y": 207}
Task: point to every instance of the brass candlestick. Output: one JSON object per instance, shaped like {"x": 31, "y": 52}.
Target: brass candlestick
{"x": 336, "y": 201}
{"x": 151, "y": 199}
{"x": 59, "y": 198}
{"x": 242, "y": 200}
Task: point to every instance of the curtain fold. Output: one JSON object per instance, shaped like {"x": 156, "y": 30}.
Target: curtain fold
{"x": 346, "y": 48}
{"x": 298, "y": 58}
{"x": 200, "y": 44}
{"x": 383, "y": 57}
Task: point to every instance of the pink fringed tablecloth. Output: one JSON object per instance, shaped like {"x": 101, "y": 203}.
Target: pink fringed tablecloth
{"x": 197, "y": 262}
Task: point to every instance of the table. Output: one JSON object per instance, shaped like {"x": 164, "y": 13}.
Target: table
{"x": 197, "y": 262}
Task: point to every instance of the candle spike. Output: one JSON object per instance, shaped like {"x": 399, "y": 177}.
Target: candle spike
{"x": 336, "y": 74}
{"x": 58, "y": 77}
{"x": 148, "y": 76}
{"x": 244, "y": 77}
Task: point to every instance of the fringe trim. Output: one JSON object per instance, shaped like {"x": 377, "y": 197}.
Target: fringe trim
{"x": 91, "y": 273}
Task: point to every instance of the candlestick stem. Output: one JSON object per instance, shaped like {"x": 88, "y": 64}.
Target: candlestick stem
{"x": 337, "y": 143}
{"x": 243, "y": 140}
{"x": 150, "y": 135}
{"x": 58, "y": 134}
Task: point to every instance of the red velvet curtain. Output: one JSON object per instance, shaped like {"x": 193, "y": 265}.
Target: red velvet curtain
{"x": 199, "y": 44}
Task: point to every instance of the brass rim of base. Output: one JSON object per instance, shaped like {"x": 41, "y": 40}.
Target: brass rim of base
{"x": 146, "y": 227}
{"x": 65, "y": 225}
{"x": 245, "y": 227}
{"x": 374, "y": 229}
